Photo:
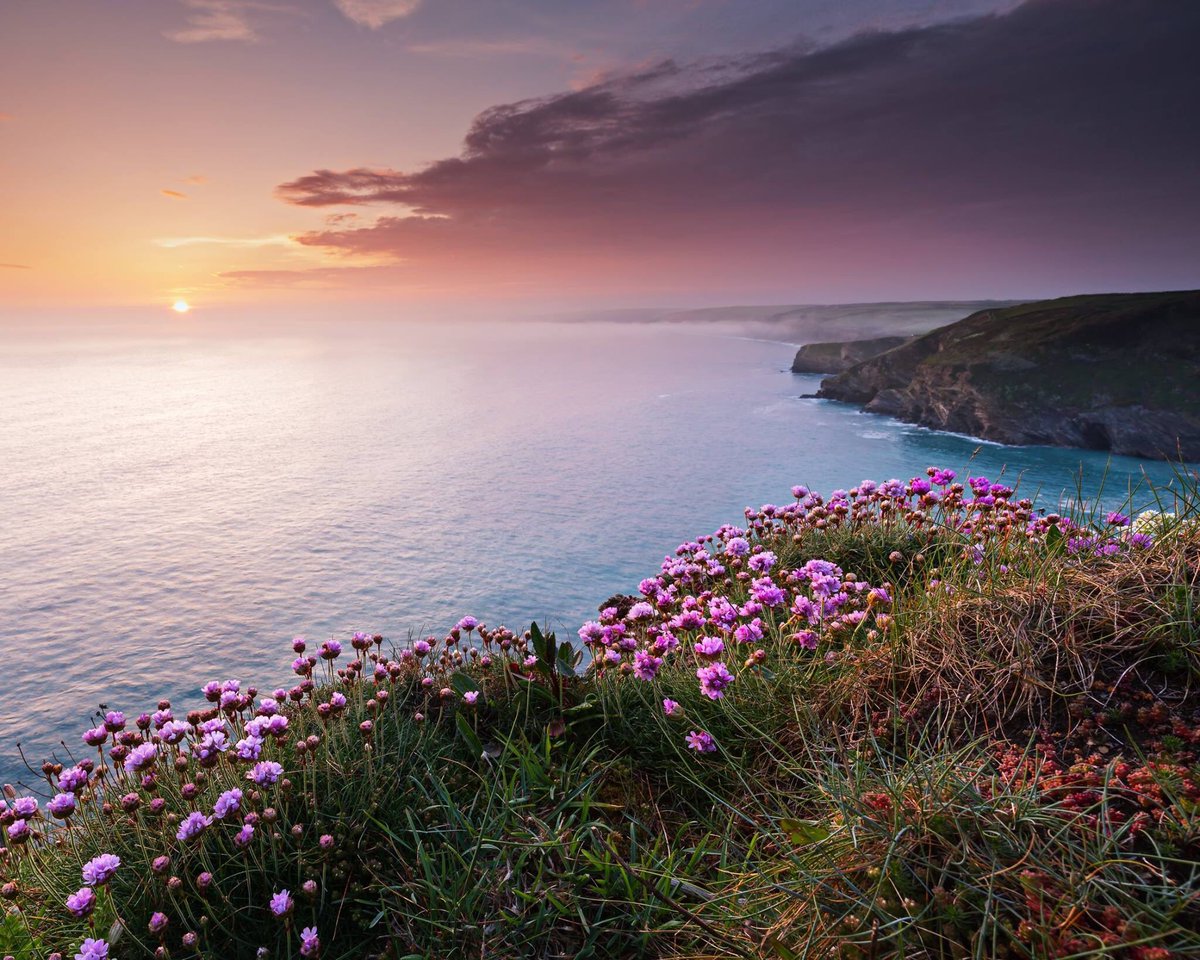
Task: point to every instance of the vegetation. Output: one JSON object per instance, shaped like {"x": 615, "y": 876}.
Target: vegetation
{"x": 920, "y": 720}
{"x": 1105, "y": 371}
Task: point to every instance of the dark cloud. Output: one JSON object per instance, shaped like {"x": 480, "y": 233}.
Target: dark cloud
{"x": 1061, "y": 122}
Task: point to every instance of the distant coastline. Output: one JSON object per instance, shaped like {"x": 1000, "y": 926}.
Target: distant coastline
{"x": 797, "y": 324}
{"x": 1114, "y": 372}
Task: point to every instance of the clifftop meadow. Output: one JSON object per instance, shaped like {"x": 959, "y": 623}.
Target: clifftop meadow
{"x": 916, "y": 718}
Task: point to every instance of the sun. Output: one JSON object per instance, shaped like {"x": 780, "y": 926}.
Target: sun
{"x": 180, "y": 306}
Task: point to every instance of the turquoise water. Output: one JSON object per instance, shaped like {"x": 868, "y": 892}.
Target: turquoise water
{"x": 175, "y": 508}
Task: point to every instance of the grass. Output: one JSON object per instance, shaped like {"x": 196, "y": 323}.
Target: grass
{"x": 1000, "y": 759}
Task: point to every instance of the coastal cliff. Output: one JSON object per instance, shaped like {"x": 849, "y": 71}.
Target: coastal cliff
{"x": 1117, "y": 372}
{"x": 837, "y": 357}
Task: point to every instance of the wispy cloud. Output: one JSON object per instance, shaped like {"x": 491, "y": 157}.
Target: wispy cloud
{"x": 215, "y": 20}
{"x": 376, "y": 13}
{"x": 173, "y": 194}
{"x": 224, "y": 20}
{"x": 314, "y": 278}
{"x": 14, "y": 266}
{"x": 5, "y": 116}
{"x": 520, "y": 46}
{"x": 196, "y": 179}
{"x": 274, "y": 240}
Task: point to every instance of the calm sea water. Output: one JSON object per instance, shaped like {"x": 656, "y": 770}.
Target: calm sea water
{"x": 176, "y": 508}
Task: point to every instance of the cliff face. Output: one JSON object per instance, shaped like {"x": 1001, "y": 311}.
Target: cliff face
{"x": 838, "y": 357}
{"x": 1117, "y": 372}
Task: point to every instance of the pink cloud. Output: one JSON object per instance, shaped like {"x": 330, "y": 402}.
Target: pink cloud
{"x": 376, "y": 13}
{"x": 886, "y": 152}
{"x": 310, "y": 278}
{"x": 214, "y": 20}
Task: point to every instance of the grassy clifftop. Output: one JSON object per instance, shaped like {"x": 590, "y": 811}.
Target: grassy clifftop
{"x": 1114, "y": 371}
{"x": 911, "y": 719}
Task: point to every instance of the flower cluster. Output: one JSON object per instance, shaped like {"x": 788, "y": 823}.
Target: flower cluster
{"x": 216, "y": 777}
{"x": 724, "y": 611}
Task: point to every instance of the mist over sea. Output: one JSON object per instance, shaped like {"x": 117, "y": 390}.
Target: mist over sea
{"x": 174, "y": 508}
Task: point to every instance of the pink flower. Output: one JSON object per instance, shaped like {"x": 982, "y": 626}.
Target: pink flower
{"x": 713, "y": 680}
{"x": 701, "y": 741}
{"x": 282, "y": 903}
{"x": 310, "y": 943}
{"x": 99, "y": 870}
{"x": 82, "y": 902}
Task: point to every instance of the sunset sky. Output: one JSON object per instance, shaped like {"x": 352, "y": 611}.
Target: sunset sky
{"x": 594, "y": 152}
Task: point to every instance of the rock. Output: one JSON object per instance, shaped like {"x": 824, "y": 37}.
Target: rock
{"x": 1118, "y": 372}
{"x": 834, "y": 357}
{"x": 621, "y": 602}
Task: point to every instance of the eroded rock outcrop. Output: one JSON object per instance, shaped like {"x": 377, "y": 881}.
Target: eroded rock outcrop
{"x": 1117, "y": 372}
{"x": 839, "y": 356}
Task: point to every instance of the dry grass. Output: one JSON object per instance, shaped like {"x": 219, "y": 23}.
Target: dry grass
{"x": 1005, "y": 650}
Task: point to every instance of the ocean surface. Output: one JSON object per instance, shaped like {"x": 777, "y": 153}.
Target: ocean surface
{"x": 175, "y": 507}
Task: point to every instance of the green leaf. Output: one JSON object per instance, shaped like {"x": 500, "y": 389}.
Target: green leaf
{"x": 469, "y": 736}
{"x": 568, "y": 657}
{"x": 544, "y": 645}
{"x": 463, "y": 682}
{"x": 587, "y": 707}
{"x": 539, "y": 640}
{"x": 804, "y": 832}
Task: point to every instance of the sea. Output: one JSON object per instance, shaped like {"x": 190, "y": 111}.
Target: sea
{"x": 176, "y": 506}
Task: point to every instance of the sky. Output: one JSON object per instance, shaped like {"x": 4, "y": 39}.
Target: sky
{"x": 542, "y": 153}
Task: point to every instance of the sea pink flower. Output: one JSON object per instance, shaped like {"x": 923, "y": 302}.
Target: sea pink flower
{"x": 100, "y": 869}
{"x": 228, "y": 802}
{"x": 645, "y": 665}
{"x": 282, "y": 903}
{"x": 265, "y": 772}
{"x": 140, "y": 757}
{"x": 73, "y": 779}
{"x": 82, "y": 902}
{"x": 701, "y": 741}
{"x": 713, "y": 680}
{"x": 709, "y": 646}
{"x": 192, "y": 826}
{"x": 310, "y": 943}
{"x": 92, "y": 949}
